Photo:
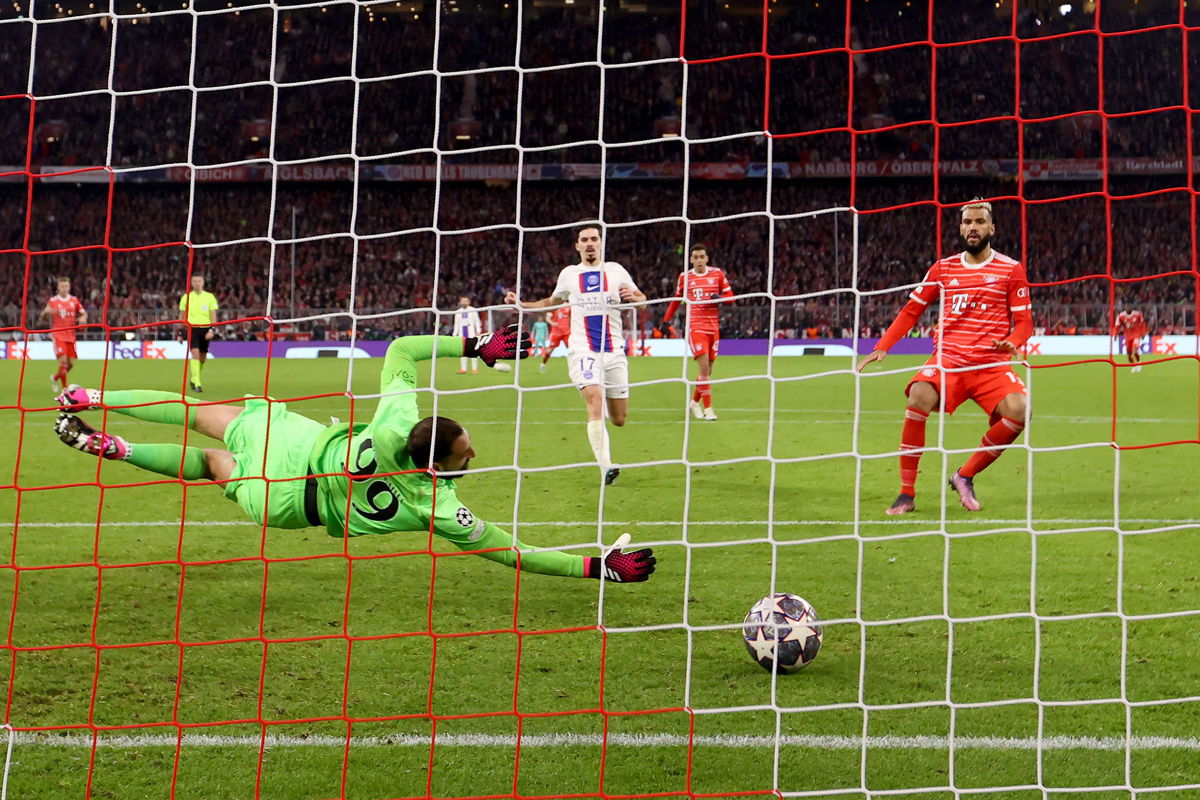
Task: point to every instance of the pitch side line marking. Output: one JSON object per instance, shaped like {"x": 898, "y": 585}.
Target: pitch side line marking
{"x": 1107, "y": 744}
{"x": 660, "y": 523}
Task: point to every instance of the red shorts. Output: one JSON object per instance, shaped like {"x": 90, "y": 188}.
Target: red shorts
{"x": 987, "y": 387}
{"x": 556, "y": 339}
{"x": 1131, "y": 343}
{"x": 64, "y": 348}
{"x": 702, "y": 343}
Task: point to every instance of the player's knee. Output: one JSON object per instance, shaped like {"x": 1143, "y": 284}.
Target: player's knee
{"x": 923, "y": 396}
{"x": 618, "y": 410}
{"x": 1015, "y": 406}
{"x": 218, "y": 465}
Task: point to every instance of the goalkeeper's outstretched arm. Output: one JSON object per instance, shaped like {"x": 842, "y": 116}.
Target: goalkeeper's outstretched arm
{"x": 402, "y": 355}
{"x": 496, "y": 544}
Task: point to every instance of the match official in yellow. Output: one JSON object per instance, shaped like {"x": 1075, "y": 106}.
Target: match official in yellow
{"x": 200, "y": 313}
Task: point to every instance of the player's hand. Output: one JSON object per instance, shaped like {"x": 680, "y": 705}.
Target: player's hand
{"x": 626, "y": 292}
{"x": 1007, "y": 346}
{"x": 507, "y": 343}
{"x": 510, "y": 299}
{"x": 872, "y": 357}
{"x": 208, "y": 335}
{"x": 621, "y": 567}
{"x": 664, "y": 328}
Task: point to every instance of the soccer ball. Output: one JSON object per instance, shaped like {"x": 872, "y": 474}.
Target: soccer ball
{"x": 786, "y": 620}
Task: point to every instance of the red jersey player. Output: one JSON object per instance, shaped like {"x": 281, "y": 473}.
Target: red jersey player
{"x": 1132, "y": 325}
{"x": 702, "y": 288}
{"x": 65, "y": 312}
{"x": 985, "y": 319}
{"x": 560, "y": 331}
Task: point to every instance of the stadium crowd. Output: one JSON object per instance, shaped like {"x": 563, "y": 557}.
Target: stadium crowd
{"x": 1071, "y": 246}
{"x": 327, "y": 82}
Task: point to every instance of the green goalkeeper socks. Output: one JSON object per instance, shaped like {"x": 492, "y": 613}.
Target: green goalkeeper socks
{"x": 166, "y": 459}
{"x": 172, "y": 460}
{"x": 169, "y": 408}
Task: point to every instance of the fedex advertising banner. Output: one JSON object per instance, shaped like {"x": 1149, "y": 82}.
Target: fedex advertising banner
{"x": 98, "y": 351}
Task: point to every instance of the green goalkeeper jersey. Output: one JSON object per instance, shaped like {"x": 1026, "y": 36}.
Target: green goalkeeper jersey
{"x": 541, "y": 332}
{"x": 380, "y": 503}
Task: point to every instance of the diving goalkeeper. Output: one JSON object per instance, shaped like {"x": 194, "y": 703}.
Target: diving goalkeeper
{"x": 288, "y": 471}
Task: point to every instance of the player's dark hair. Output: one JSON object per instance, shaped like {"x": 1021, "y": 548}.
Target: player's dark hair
{"x": 579, "y": 231}
{"x": 432, "y": 433}
{"x": 699, "y": 246}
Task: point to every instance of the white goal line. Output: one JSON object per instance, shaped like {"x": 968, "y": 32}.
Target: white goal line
{"x": 731, "y": 741}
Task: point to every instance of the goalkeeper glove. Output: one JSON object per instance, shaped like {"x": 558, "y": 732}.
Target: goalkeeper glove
{"x": 665, "y": 329}
{"x": 620, "y": 567}
{"x": 507, "y": 343}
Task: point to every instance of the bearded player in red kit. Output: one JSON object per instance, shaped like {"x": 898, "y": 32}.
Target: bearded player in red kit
{"x": 702, "y": 287}
{"x": 985, "y": 320}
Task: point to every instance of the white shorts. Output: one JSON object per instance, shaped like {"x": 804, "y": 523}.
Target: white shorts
{"x": 608, "y": 370}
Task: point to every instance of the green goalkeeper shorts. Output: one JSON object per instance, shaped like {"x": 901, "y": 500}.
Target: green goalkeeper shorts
{"x": 270, "y": 447}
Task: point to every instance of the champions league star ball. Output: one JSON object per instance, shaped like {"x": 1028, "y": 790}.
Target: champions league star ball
{"x": 782, "y": 633}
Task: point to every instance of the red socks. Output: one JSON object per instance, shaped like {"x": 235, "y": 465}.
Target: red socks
{"x": 912, "y": 437}
{"x": 61, "y": 376}
{"x": 703, "y": 391}
{"x": 1003, "y": 431}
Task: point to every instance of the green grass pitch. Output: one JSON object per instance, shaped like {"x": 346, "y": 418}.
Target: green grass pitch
{"x": 1034, "y": 636}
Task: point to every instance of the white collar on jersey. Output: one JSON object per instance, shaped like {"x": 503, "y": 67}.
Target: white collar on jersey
{"x": 962, "y": 259}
